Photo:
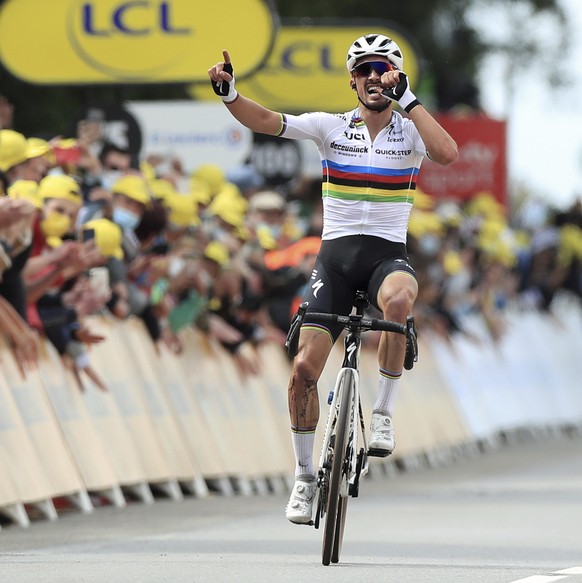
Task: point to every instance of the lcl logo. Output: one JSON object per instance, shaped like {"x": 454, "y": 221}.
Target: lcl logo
{"x": 308, "y": 57}
{"x": 123, "y": 19}
{"x": 134, "y": 38}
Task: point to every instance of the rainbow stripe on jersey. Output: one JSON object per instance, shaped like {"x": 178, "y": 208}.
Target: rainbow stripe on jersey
{"x": 368, "y": 183}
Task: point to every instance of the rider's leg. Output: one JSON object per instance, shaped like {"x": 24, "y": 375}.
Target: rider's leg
{"x": 314, "y": 348}
{"x": 396, "y": 298}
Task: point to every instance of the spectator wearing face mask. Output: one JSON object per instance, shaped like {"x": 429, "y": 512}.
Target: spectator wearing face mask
{"x": 55, "y": 256}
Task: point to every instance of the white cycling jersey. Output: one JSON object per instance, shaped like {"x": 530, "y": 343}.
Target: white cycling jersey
{"x": 367, "y": 188}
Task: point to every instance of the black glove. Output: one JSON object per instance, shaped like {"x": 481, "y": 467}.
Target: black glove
{"x": 225, "y": 90}
{"x": 402, "y": 94}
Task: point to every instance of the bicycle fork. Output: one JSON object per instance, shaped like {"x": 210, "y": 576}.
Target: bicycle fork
{"x": 357, "y": 460}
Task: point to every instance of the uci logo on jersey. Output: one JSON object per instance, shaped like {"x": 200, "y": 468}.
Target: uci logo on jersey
{"x": 135, "y": 37}
{"x": 354, "y": 135}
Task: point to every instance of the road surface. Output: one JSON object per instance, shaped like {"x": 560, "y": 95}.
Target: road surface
{"x": 512, "y": 514}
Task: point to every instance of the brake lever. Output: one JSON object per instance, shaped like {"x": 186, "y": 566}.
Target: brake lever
{"x": 292, "y": 340}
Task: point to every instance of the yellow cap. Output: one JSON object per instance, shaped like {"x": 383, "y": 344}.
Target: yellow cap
{"x": 161, "y": 187}
{"x": 228, "y": 214}
{"x": 66, "y": 143}
{"x": 230, "y": 194}
{"x": 60, "y": 186}
{"x": 265, "y": 238}
{"x": 212, "y": 175}
{"x": 183, "y": 210}
{"x": 26, "y": 189}
{"x": 485, "y": 204}
{"x": 12, "y": 149}
{"x": 422, "y": 222}
{"x": 422, "y": 200}
{"x": 148, "y": 171}
{"x": 36, "y": 147}
{"x": 229, "y": 205}
{"x": 217, "y": 252}
{"x": 452, "y": 262}
{"x": 108, "y": 237}
{"x": 200, "y": 191}
{"x": 134, "y": 187}
{"x": 242, "y": 232}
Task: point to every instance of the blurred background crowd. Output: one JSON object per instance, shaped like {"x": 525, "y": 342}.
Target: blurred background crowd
{"x": 85, "y": 228}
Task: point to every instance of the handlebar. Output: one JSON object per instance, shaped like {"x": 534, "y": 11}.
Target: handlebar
{"x": 357, "y": 322}
{"x": 353, "y": 322}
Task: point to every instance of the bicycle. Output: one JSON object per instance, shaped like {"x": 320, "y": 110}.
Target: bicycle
{"x": 339, "y": 475}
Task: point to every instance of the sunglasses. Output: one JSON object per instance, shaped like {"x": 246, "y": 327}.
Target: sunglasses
{"x": 365, "y": 69}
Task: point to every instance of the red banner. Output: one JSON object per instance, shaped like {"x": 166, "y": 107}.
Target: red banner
{"x": 481, "y": 166}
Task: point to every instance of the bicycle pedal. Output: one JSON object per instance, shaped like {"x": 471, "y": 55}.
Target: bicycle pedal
{"x": 372, "y": 452}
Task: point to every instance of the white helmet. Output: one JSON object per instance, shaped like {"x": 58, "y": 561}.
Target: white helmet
{"x": 376, "y": 45}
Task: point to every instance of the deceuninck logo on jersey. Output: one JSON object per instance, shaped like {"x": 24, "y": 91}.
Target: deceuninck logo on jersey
{"x": 112, "y": 41}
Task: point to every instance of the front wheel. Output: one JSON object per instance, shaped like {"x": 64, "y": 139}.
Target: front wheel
{"x": 340, "y": 525}
{"x": 336, "y": 505}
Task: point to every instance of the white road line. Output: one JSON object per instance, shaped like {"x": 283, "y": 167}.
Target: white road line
{"x": 570, "y": 571}
{"x": 540, "y": 579}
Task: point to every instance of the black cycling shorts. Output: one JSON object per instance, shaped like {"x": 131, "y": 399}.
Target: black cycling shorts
{"x": 346, "y": 265}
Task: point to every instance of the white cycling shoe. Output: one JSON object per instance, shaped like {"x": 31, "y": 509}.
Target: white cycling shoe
{"x": 381, "y": 442}
{"x": 300, "y": 506}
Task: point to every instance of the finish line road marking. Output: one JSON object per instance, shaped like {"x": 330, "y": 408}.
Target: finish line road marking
{"x": 540, "y": 579}
{"x": 555, "y": 576}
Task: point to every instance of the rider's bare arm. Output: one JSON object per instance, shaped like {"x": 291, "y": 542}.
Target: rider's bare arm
{"x": 254, "y": 116}
{"x": 248, "y": 112}
{"x": 440, "y": 145}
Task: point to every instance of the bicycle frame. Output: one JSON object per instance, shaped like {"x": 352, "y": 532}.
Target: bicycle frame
{"x": 351, "y": 362}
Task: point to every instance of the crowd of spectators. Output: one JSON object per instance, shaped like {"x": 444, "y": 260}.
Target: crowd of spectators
{"x": 85, "y": 228}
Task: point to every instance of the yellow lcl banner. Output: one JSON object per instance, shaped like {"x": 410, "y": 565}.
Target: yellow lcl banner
{"x": 132, "y": 41}
{"x": 307, "y": 71}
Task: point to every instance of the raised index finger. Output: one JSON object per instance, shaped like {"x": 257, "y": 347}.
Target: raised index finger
{"x": 226, "y": 57}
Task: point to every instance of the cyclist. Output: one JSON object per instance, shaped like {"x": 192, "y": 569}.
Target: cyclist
{"x": 370, "y": 158}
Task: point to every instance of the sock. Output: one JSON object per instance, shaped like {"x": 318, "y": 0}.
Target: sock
{"x": 389, "y": 382}
{"x": 303, "y": 440}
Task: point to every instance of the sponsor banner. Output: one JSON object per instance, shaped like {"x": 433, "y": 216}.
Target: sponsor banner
{"x": 482, "y": 163}
{"x": 224, "y": 408}
{"x": 42, "y": 427}
{"x": 306, "y": 70}
{"x": 117, "y": 367}
{"x": 197, "y": 428}
{"x": 19, "y": 457}
{"x": 195, "y": 133}
{"x": 68, "y": 402}
{"x": 142, "y": 352}
{"x": 130, "y": 41}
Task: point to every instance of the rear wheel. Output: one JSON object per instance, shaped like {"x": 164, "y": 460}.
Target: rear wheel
{"x": 336, "y": 504}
